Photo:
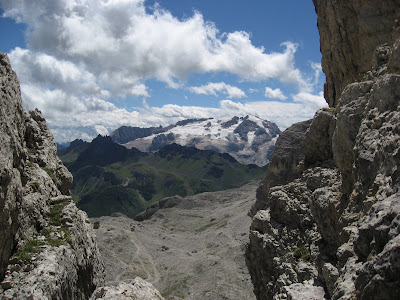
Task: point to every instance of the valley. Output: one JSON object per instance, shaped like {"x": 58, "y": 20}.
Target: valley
{"x": 191, "y": 250}
{"x": 110, "y": 178}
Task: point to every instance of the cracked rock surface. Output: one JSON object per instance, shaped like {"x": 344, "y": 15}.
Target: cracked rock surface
{"x": 333, "y": 228}
{"x": 47, "y": 245}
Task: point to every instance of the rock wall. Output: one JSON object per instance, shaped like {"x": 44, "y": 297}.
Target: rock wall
{"x": 350, "y": 32}
{"x": 47, "y": 246}
{"x": 332, "y": 230}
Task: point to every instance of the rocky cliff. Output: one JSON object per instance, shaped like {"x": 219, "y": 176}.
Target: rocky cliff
{"x": 47, "y": 245}
{"x": 327, "y": 216}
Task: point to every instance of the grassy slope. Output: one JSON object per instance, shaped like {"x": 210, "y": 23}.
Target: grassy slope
{"x": 130, "y": 181}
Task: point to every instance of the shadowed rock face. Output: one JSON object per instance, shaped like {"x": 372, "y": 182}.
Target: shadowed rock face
{"x": 350, "y": 32}
{"x": 284, "y": 166}
{"x": 332, "y": 229}
{"x": 47, "y": 246}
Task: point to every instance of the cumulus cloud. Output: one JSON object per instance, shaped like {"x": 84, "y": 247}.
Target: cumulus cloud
{"x": 274, "y": 94}
{"x": 309, "y": 99}
{"x": 119, "y": 45}
{"x": 88, "y": 125}
{"x": 216, "y": 88}
{"x": 83, "y": 53}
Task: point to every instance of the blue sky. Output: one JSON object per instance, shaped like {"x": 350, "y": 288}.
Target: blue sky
{"x": 91, "y": 66}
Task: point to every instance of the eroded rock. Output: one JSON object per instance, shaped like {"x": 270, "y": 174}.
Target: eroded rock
{"x": 339, "y": 215}
{"x": 47, "y": 246}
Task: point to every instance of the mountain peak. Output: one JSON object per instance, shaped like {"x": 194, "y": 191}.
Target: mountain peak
{"x": 248, "y": 139}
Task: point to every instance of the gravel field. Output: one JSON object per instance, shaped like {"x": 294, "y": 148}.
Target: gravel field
{"x": 194, "y": 250}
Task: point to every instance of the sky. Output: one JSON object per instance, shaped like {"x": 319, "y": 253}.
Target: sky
{"x": 92, "y": 66}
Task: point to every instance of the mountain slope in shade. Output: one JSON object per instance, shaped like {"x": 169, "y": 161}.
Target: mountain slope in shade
{"x": 250, "y": 140}
{"x": 110, "y": 178}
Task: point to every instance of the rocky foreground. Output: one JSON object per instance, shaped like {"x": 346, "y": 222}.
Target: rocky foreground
{"x": 190, "y": 248}
{"x": 327, "y": 218}
{"x": 48, "y": 248}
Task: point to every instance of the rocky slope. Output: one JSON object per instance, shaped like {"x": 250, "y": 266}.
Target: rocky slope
{"x": 327, "y": 217}
{"x": 188, "y": 248}
{"x": 47, "y": 246}
{"x": 250, "y": 140}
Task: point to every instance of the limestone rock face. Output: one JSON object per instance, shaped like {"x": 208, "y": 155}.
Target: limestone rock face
{"x": 47, "y": 246}
{"x": 285, "y": 162}
{"x": 350, "y": 33}
{"x": 139, "y": 289}
{"x": 332, "y": 230}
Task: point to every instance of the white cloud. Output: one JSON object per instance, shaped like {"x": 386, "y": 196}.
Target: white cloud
{"x": 89, "y": 124}
{"x": 139, "y": 90}
{"x": 309, "y": 99}
{"x": 119, "y": 45}
{"x": 82, "y": 53}
{"x": 220, "y": 87}
{"x": 251, "y": 90}
{"x": 274, "y": 94}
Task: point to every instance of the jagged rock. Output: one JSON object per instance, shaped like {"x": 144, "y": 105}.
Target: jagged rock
{"x": 350, "y": 31}
{"x": 318, "y": 141}
{"x": 138, "y": 289}
{"x": 340, "y": 212}
{"x": 47, "y": 245}
{"x": 284, "y": 239}
{"x": 160, "y": 141}
{"x": 285, "y": 160}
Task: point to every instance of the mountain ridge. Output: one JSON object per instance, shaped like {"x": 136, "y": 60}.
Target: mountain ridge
{"x": 250, "y": 140}
{"x": 111, "y": 178}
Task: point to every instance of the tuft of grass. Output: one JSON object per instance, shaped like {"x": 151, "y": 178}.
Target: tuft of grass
{"x": 54, "y": 242}
{"x": 50, "y": 173}
{"x": 31, "y": 247}
{"x": 332, "y": 110}
{"x": 302, "y": 253}
{"x": 32, "y": 150}
{"x": 66, "y": 234}
{"x": 52, "y": 176}
{"x": 56, "y": 213}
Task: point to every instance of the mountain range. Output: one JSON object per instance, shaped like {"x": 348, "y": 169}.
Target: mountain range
{"x": 110, "y": 178}
{"x": 250, "y": 140}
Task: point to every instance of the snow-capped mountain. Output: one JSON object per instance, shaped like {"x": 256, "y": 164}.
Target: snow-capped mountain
{"x": 248, "y": 139}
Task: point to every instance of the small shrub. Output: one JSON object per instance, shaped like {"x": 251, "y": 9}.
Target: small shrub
{"x": 46, "y": 232}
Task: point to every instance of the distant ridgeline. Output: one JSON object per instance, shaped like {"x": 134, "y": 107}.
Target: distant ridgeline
{"x": 250, "y": 140}
{"x": 110, "y": 178}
